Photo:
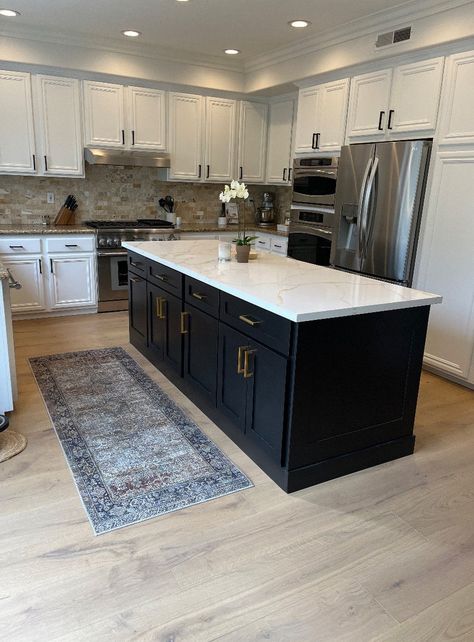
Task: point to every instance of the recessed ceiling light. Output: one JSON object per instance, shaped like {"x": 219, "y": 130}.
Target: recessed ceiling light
{"x": 299, "y": 24}
{"x": 9, "y": 13}
{"x": 232, "y": 52}
{"x": 131, "y": 33}
{"x": 182, "y": 0}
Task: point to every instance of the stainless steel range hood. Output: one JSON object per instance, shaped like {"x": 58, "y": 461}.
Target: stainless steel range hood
{"x": 99, "y": 156}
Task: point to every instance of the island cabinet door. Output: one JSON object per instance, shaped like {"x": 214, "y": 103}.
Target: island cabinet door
{"x": 231, "y": 384}
{"x": 165, "y": 335}
{"x": 137, "y": 308}
{"x": 200, "y": 351}
{"x": 265, "y": 374}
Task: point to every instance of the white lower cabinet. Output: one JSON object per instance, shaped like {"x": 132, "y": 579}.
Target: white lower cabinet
{"x": 72, "y": 281}
{"x": 51, "y": 281}
{"x": 446, "y": 265}
{"x": 28, "y": 271}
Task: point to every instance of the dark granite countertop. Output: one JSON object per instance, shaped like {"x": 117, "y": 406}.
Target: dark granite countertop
{"x": 16, "y": 229}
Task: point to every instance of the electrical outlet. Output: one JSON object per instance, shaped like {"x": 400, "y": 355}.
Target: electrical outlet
{"x": 50, "y": 197}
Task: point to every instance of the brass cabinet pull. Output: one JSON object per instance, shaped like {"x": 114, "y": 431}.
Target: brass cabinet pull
{"x": 240, "y": 369}
{"x": 247, "y": 373}
{"x": 132, "y": 279}
{"x": 246, "y": 319}
{"x": 200, "y": 297}
{"x": 183, "y": 322}
{"x": 160, "y": 304}
{"x": 161, "y": 277}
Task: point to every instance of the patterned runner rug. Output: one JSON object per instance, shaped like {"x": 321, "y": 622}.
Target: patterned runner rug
{"x": 133, "y": 453}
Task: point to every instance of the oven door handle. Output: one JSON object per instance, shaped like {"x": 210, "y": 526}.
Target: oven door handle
{"x": 118, "y": 253}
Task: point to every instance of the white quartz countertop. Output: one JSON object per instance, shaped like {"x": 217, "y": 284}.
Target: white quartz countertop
{"x": 292, "y": 289}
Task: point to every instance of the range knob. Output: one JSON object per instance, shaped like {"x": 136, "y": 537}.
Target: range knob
{"x": 102, "y": 242}
{"x": 110, "y": 242}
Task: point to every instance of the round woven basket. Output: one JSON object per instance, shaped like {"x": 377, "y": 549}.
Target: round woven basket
{"x": 11, "y": 443}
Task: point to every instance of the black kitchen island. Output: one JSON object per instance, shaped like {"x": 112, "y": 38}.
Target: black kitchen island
{"x": 314, "y": 373}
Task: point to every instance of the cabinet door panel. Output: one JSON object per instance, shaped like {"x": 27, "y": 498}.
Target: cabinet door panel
{"x": 307, "y": 121}
{"x": 252, "y": 141}
{"x": 185, "y": 132}
{"x": 447, "y": 264}
{"x": 266, "y": 389}
{"x": 280, "y": 130}
{"x": 104, "y": 114}
{"x": 369, "y": 95}
{"x": 28, "y": 272}
{"x": 173, "y": 338}
{"x": 16, "y": 124}
{"x": 137, "y": 306}
{"x": 200, "y": 351}
{"x": 415, "y": 96}
{"x": 457, "y": 123}
{"x": 147, "y": 118}
{"x": 72, "y": 281}
{"x": 60, "y": 126}
{"x": 220, "y": 139}
{"x": 332, "y": 129}
{"x": 231, "y": 387}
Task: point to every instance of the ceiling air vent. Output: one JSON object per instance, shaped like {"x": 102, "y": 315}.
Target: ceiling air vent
{"x": 392, "y": 37}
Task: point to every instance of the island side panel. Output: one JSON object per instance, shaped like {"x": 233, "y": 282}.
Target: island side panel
{"x": 355, "y": 391}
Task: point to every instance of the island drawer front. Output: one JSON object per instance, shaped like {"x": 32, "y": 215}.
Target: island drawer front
{"x": 21, "y": 245}
{"x": 202, "y": 296}
{"x": 264, "y": 326}
{"x": 66, "y": 244}
{"x": 137, "y": 264}
{"x": 165, "y": 277}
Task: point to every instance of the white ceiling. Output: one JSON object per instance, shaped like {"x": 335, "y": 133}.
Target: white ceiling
{"x": 198, "y": 27}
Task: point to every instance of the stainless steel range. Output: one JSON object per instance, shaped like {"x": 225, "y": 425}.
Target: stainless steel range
{"x": 112, "y": 258}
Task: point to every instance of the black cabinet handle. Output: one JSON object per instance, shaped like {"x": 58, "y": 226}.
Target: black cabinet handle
{"x": 318, "y": 136}
{"x": 34, "y": 162}
{"x": 381, "y": 115}
{"x": 51, "y": 266}
{"x": 16, "y": 247}
{"x": 313, "y": 142}
{"x": 123, "y": 136}
{"x": 40, "y": 266}
{"x": 200, "y": 170}
{"x": 208, "y": 171}
{"x": 133, "y": 137}
{"x": 71, "y": 245}
{"x": 45, "y": 163}
{"x": 241, "y": 173}
{"x": 289, "y": 173}
{"x": 390, "y": 115}
{"x": 284, "y": 173}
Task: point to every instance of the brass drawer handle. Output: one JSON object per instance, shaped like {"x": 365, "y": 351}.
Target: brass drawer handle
{"x": 247, "y": 319}
{"x": 247, "y": 373}
{"x": 161, "y": 277}
{"x": 160, "y": 305}
{"x": 183, "y": 322}
{"x": 240, "y": 369}
{"x": 132, "y": 279}
{"x": 200, "y": 297}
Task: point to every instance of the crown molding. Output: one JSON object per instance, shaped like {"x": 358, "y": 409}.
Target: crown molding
{"x": 397, "y": 17}
{"x": 114, "y": 45}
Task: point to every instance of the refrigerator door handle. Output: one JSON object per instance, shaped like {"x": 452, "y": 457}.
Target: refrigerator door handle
{"x": 368, "y": 225}
{"x": 363, "y": 202}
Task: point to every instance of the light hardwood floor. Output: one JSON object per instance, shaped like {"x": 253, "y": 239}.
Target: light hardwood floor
{"x": 386, "y": 554}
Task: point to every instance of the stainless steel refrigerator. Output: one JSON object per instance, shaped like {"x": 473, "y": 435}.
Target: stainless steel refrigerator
{"x": 379, "y": 199}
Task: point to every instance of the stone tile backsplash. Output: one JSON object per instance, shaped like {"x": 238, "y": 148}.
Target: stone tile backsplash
{"x": 113, "y": 192}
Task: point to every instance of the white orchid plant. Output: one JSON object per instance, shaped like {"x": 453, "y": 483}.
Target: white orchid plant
{"x": 233, "y": 191}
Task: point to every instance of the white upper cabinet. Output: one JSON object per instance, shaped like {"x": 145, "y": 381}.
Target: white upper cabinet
{"x": 369, "y": 104}
{"x": 147, "y": 118}
{"x": 447, "y": 265}
{"x": 17, "y": 143}
{"x": 104, "y": 114}
{"x": 59, "y": 126}
{"x": 220, "y": 139}
{"x": 321, "y": 120}
{"x": 457, "y": 122}
{"x": 185, "y": 136}
{"x": 415, "y": 96}
{"x": 332, "y": 121}
{"x": 252, "y": 141}
{"x": 389, "y": 103}
{"x": 280, "y": 128}
{"x": 309, "y": 108}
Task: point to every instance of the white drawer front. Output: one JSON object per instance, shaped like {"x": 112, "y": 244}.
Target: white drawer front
{"x": 63, "y": 244}
{"x": 280, "y": 245}
{"x": 263, "y": 243}
{"x": 19, "y": 245}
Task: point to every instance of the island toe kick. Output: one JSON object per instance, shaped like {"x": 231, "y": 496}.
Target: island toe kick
{"x": 309, "y": 400}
